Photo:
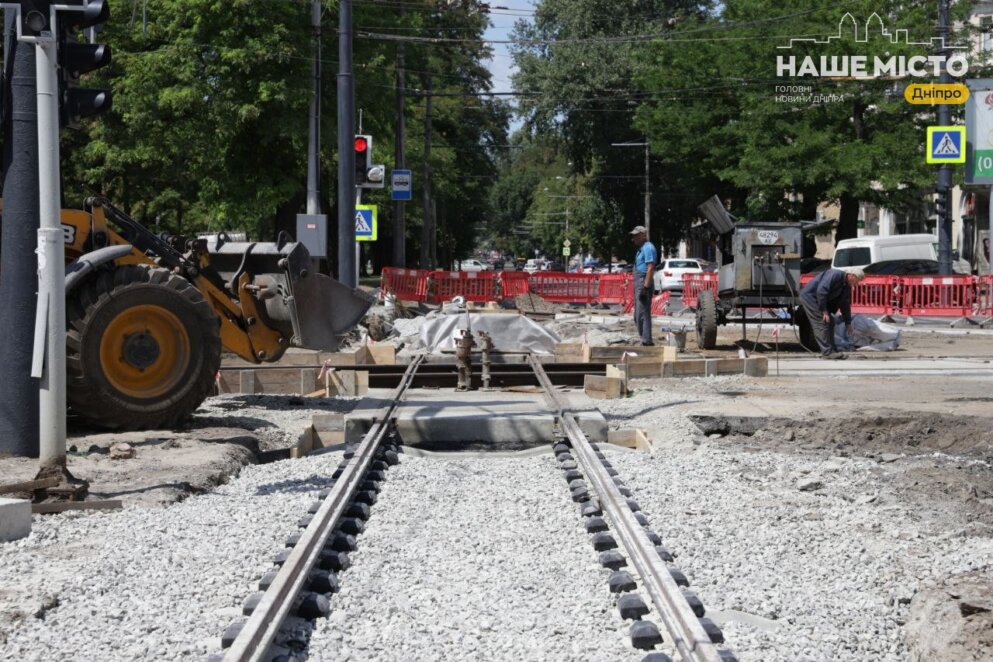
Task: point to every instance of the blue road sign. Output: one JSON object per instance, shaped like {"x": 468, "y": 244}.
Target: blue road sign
{"x": 365, "y": 222}
{"x": 946, "y": 144}
{"x": 400, "y": 185}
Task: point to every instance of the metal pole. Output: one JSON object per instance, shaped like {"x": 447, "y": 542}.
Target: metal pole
{"x": 648, "y": 198}
{"x": 314, "y": 136}
{"x": 945, "y": 170}
{"x": 358, "y": 244}
{"x": 346, "y": 153}
{"x": 18, "y": 391}
{"x": 427, "y": 228}
{"x": 51, "y": 260}
{"x": 399, "y": 207}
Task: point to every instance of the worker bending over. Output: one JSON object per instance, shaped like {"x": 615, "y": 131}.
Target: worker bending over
{"x": 829, "y": 292}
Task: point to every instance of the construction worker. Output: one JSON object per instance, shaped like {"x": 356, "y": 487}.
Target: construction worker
{"x": 829, "y": 292}
{"x": 644, "y": 271}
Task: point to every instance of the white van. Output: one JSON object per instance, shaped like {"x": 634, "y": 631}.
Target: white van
{"x": 852, "y": 253}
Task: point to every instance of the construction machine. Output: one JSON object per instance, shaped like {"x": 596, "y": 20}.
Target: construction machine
{"x": 147, "y": 315}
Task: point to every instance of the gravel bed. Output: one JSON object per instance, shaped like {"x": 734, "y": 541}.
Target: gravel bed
{"x": 154, "y": 584}
{"x": 474, "y": 559}
{"x": 801, "y": 541}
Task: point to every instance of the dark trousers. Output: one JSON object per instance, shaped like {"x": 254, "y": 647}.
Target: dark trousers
{"x": 642, "y": 309}
{"x": 824, "y": 333}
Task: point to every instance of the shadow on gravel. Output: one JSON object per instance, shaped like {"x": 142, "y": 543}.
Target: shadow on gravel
{"x": 311, "y": 484}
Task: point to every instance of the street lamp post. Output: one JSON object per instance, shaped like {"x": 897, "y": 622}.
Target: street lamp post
{"x": 648, "y": 195}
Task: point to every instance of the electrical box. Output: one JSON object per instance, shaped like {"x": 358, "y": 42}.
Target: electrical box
{"x": 312, "y": 232}
{"x": 766, "y": 256}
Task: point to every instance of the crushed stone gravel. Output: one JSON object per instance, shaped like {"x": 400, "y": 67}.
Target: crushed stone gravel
{"x": 829, "y": 572}
{"x": 474, "y": 559}
{"x": 143, "y": 584}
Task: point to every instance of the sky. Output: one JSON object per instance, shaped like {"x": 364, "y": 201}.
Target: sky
{"x": 503, "y": 19}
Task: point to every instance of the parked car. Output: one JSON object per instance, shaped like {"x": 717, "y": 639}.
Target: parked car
{"x": 533, "y": 265}
{"x": 473, "y": 265}
{"x": 852, "y": 253}
{"x": 555, "y": 265}
{"x": 669, "y": 274}
{"x": 903, "y": 268}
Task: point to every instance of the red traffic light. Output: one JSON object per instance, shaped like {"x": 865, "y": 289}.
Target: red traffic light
{"x": 361, "y": 144}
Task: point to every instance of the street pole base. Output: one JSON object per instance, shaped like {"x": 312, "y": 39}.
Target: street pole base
{"x": 69, "y": 488}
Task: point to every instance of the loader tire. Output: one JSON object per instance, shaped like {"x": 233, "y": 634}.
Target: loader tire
{"x": 706, "y": 320}
{"x": 142, "y": 349}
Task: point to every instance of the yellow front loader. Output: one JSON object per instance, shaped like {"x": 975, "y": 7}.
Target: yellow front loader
{"x": 147, "y": 315}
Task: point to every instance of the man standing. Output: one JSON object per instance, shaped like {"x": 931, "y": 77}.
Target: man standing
{"x": 830, "y": 291}
{"x": 644, "y": 270}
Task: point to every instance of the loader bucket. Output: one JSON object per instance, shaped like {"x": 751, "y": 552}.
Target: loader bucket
{"x": 313, "y": 310}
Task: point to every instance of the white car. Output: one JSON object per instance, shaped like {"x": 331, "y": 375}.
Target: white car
{"x": 473, "y": 265}
{"x": 669, "y": 274}
{"x": 532, "y": 266}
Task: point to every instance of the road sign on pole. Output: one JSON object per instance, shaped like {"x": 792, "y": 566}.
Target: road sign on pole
{"x": 366, "y": 222}
{"x": 979, "y": 132}
{"x": 946, "y": 144}
{"x": 400, "y": 185}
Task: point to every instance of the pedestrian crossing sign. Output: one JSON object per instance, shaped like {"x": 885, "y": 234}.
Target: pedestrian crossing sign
{"x": 366, "y": 222}
{"x": 946, "y": 144}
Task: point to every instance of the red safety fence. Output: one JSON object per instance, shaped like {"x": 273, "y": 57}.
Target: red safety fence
{"x": 406, "y": 284}
{"x": 948, "y": 296}
{"x": 561, "y": 287}
{"x": 515, "y": 283}
{"x": 693, "y": 284}
{"x": 614, "y": 288}
{"x": 939, "y": 295}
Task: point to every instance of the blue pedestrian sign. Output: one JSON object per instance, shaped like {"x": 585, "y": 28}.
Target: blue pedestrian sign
{"x": 946, "y": 144}
{"x": 366, "y": 222}
{"x": 400, "y": 185}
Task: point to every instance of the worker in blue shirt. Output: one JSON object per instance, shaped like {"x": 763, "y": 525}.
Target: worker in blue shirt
{"x": 829, "y": 292}
{"x": 644, "y": 270}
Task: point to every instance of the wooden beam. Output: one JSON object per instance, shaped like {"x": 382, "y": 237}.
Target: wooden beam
{"x": 63, "y": 506}
{"x": 30, "y": 485}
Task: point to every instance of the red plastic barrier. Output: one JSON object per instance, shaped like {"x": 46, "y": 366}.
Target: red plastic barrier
{"x": 937, "y": 295}
{"x": 693, "y": 284}
{"x": 984, "y": 296}
{"x": 515, "y": 283}
{"x": 561, "y": 287}
{"x": 406, "y": 284}
{"x": 877, "y": 295}
{"x": 475, "y": 286}
{"x": 614, "y": 288}
{"x": 660, "y": 302}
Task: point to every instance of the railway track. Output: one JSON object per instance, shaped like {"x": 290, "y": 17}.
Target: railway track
{"x": 307, "y": 573}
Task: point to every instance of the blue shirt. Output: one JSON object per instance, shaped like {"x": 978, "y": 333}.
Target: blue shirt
{"x": 646, "y": 256}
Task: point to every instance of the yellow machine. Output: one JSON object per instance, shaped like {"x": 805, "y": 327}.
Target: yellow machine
{"x": 147, "y": 315}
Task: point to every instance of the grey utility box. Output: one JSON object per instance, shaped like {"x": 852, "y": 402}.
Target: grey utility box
{"x": 312, "y": 232}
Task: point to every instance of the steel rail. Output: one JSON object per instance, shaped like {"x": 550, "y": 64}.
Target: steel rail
{"x": 685, "y": 630}
{"x": 259, "y": 631}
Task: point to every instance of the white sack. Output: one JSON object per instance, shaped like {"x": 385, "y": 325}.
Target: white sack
{"x": 510, "y": 333}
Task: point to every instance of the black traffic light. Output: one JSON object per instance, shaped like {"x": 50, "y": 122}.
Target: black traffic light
{"x": 363, "y": 157}
{"x": 35, "y": 17}
{"x": 76, "y": 59}
{"x": 941, "y": 203}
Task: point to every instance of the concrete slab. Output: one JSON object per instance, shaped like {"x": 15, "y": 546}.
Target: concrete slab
{"x": 15, "y": 519}
{"x": 446, "y": 419}
{"x": 857, "y": 364}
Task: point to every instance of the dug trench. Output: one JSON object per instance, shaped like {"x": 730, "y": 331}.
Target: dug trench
{"x": 939, "y": 466}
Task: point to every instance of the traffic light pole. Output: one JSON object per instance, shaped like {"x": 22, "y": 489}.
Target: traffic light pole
{"x": 346, "y": 153}
{"x": 50, "y": 339}
{"x": 944, "y": 188}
